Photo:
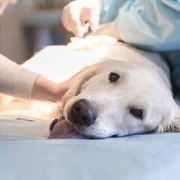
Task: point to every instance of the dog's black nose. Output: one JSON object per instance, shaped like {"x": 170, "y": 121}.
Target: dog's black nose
{"x": 82, "y": 113}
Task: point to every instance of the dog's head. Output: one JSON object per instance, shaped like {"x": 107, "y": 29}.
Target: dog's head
{"x": 117, "y": 98}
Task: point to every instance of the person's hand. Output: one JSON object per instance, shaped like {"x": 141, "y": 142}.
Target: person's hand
{"x": 77, "y": 13}
{"x": 46, "y": 90}
{"x": 109, "y": 29}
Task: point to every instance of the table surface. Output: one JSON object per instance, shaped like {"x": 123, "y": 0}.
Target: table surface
{"x": 141, "y": 157}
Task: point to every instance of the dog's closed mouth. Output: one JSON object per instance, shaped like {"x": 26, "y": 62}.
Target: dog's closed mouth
{"x": 64, "y": 130}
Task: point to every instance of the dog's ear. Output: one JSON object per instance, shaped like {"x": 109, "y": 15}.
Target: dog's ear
{"x": 171, "y": 122}
{"x": 78, "y": 81}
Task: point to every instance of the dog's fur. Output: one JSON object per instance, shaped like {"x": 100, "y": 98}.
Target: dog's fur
{"x": 142, "y": 85}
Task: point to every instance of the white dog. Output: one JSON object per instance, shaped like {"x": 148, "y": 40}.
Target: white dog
{"x": 126, "y": 92}
{"x": 122, "y": 95}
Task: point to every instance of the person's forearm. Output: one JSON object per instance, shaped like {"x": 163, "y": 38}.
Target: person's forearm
{"x": 151, "y": 25}
{"x": 15, "y": 80}
{"x": 110, "y": 9}
{"x": 19, "y": 82}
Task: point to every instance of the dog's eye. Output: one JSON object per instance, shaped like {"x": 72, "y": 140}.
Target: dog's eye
{"x": 113, "y": 77}
{"x": 137, "y": 113}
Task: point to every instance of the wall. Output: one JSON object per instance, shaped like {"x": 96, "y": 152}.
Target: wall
{"x": 12, "y": 41}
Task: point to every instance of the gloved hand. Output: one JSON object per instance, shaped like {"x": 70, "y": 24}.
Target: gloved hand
{"x": 77, "y": 13}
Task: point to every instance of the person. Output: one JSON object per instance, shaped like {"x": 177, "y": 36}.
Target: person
{"x": 152, "y": 25}
{"x": 20, "y": 82}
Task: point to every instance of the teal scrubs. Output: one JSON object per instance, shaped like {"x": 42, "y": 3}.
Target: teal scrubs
{"x": 151, "y": 25}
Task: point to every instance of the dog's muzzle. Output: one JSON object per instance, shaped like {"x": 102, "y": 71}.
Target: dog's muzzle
{"x": 82, "y": 113}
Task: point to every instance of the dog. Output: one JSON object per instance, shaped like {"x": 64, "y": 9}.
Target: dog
{"x": 124, "y": 91}
{"x": 122, "y": 95}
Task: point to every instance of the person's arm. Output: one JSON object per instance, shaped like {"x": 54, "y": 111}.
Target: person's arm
{"x": 148, "y": 24}
{"x": 152, "y": 24}
{"x": 20, "y": 82}
{"x": 110, "y": 9}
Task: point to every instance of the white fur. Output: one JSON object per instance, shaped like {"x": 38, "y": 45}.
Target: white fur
{"x": 142, "y": 84}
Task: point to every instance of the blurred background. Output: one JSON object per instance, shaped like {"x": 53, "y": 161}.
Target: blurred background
{"x": 29, "y": 25}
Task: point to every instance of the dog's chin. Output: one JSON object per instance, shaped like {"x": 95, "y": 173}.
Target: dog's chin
{"x": 92, "y": 133}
